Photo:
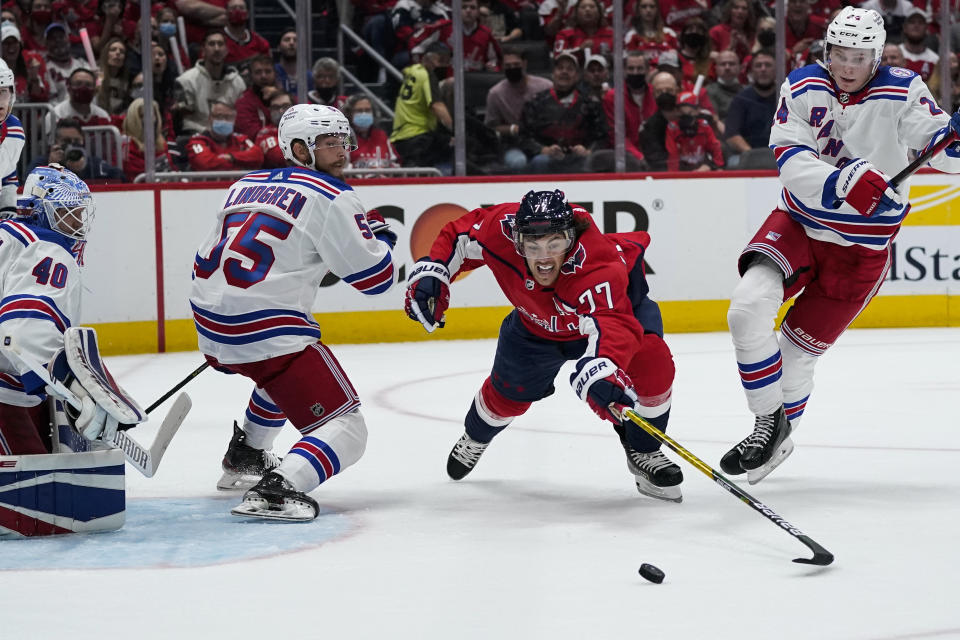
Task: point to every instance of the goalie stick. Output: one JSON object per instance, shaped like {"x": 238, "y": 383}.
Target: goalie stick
{"x": 821, "y": 557}
{"x": 141, "y": 458}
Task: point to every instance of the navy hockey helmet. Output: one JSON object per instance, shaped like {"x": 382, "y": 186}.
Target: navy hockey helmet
{"x": 543, "y": 213}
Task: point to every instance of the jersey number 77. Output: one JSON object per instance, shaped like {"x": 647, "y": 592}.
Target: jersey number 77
{"x": 239, "y": 235}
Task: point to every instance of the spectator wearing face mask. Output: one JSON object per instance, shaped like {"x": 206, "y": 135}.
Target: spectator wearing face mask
{"x": 79, "y": 103}
{"x": 60, "y": 64}
{"x": 690, "y": 142}
{"x": 373, "y": 150}
{"x": 278, "y": 102}
{"x": 166, "y": 29}
{"x": 638, "y": 106}
{"x": 728, "y": 84}
{"x": 219, "y": 148}
{"x": 326, "y": 84}
{"x": 209, "y": 80}
{"x": 242, "y": 43}
{"x": 653, "y": 135}
{"x": 28, "y": 67}
{"x": 505, "y": 102}
{"x": 695, "y": 52}
{"x": 35, "y": 25}
{"x": 253, "y": 113}
{"x": 133, "y": 159}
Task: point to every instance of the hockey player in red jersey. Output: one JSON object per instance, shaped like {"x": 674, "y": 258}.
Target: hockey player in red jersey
{"x": 842, "y": 128}
{"x": 578, "y": 295}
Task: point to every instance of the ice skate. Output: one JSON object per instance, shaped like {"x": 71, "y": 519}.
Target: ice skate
{"x": 464, "y": 456}
{"x": 243, "y": 465}
{"x": 763, "y": 450}
{"x": 274, "y": 498}
{"x": 657, "y": 476}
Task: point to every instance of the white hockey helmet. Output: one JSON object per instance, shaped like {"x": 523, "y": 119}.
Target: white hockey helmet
{"x": 7, "y": 80}
{"x": 856, "y": 29}
{"x": 310, "y": 122}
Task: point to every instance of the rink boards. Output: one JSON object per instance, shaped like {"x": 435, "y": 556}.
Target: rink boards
{"x": 141, "y": 251}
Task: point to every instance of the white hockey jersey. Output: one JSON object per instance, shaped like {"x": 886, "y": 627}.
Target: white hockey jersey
{"x": 817, "y": 129}
{"x": 11, "y": 145}
{"x": 39, "y": 299}
{"x": 256, "y": 275}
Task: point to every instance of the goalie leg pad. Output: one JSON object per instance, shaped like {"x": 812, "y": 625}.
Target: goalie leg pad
{"x": 59, "y": 493}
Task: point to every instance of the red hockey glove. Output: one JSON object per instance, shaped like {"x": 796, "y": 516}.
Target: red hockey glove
{"x": 866, "y": 189}
{"x": 600, "y": 383}
{"x": 428, "y": 293}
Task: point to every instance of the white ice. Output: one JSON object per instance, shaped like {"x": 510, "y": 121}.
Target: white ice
{"x": 544, "y": 538}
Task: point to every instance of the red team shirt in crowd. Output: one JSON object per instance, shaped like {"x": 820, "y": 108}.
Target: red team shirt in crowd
{"x": 374, "y": 150}
{"x": 576, "y": 38}
{"x": 675, "y": 13}
{"x": 238, "y": 51}
{"x": 689, "y": 152}
{"x": 270, "y": 146}
{"x": 481, "y": 51}
{"x": 652, "y": 48}
{"x": 206, "y": 154}
{"x": 921, "y": 64}
{"x": 589, "y": 298}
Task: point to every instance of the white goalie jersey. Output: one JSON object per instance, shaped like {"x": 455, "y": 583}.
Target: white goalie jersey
{"x": 818, "y": 129}
{"x": 39, "y": 300}
{"x": 256, "y": 276}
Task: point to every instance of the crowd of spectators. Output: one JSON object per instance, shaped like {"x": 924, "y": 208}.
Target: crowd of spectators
{"x": 699, "y": 80}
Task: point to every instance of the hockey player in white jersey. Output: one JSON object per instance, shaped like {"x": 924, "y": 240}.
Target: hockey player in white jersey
{"x": 842, "y": 128}
{"x": 11, "y": 143}
{"x": 255, "y": 280}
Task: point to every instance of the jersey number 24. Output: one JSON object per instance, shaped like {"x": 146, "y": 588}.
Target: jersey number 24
{"x": 239, "y": 235}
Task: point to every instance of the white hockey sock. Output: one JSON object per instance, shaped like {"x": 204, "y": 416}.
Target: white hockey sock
{"x": 262, "y": 421}
{"x": 797, "y": 380}
{"x": 325, "y": 452}
{"x": 752, "y": 315}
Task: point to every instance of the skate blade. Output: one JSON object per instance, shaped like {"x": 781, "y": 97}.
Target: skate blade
{"x": 231, "y": 481}
{"x": 290, "y": 512}
{"x": 670, "y": 494}
{"x": 756, "y": 475}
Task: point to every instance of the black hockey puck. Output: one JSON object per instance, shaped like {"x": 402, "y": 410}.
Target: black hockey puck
{"x": 651, "y": 573}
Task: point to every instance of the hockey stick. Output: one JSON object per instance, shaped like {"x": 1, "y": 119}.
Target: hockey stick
{"x": 177, "y": 387}
{"x": 821, "y": 556}
{"x": 142, "y": 459}
{"x": 923, "y": 159}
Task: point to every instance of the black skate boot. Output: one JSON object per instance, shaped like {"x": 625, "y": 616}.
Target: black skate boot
{"x": 763, "y": 450}
{"x": 657, "y": 476}
{"x": 464, "y": 456}
{"x": 242, "y": 464}
{"x": 275, "y": 498}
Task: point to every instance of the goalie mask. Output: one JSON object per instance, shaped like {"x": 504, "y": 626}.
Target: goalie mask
{"x": 55, "y": 198}
{"x": 541, "y": 214}
{"x": 853, "y": 46}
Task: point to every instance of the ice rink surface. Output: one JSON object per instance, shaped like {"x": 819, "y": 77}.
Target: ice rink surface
{"x": 544, "y": 538}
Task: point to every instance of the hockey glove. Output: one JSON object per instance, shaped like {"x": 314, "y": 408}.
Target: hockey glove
{"x": 600, "y": 383}
{"x": 380, "y": 228}
{"x": 955, "y": 123}
{"x": 866, "y": 189}
{"x": 92, "y": 421}
{"x": 428, "y": 293}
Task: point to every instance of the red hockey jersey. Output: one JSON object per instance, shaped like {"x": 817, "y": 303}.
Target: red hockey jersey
{"x": 589, "y": 298}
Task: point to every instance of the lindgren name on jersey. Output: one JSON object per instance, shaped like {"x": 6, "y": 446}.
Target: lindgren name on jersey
{"x": 275, "y": 195}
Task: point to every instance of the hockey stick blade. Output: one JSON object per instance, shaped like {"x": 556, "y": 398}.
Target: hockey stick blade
{"x": 821, "y": 557}
{"x": 140, "y": 458}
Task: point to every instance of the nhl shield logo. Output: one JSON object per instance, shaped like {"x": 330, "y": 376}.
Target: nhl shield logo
{"x": 844, "y": 98}
{"x": 317, "y": 410}
{"x": 528, "y": 283}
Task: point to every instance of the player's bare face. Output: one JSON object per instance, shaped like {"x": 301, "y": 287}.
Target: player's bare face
{"x": 331, "y": 155}
{"x": 544, "y": 255}
{"x": 850, "y": 68}
{"x": 5, "y": 97}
